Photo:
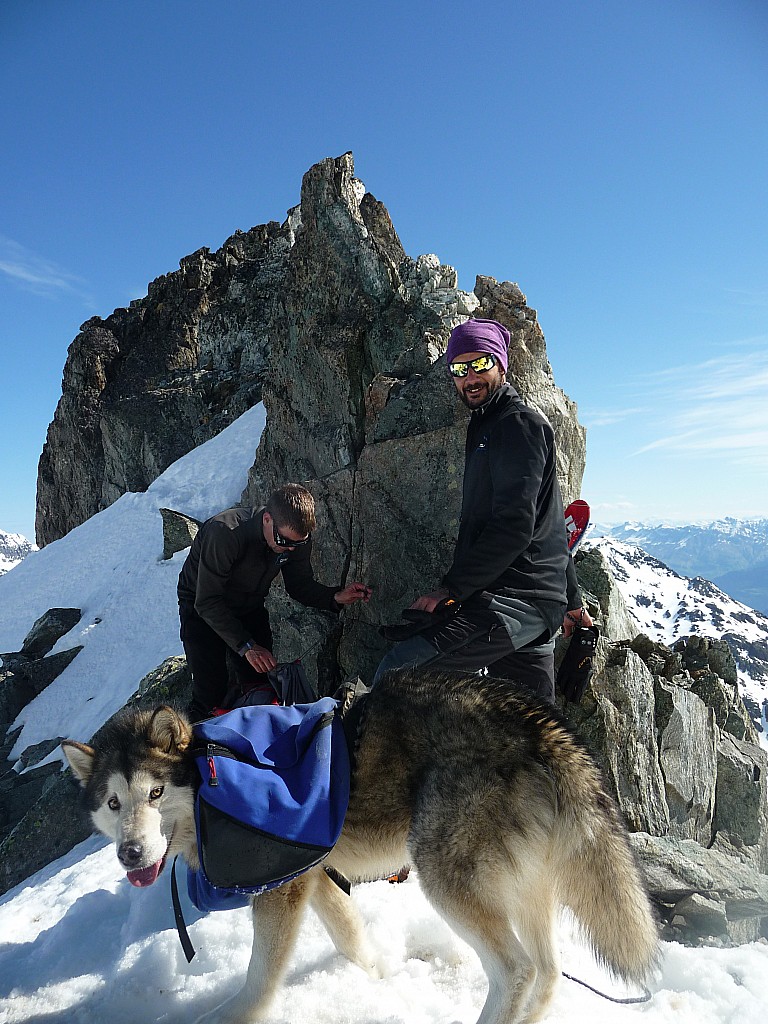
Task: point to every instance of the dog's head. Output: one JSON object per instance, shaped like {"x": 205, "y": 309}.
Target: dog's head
{"x": 138, "y": 782}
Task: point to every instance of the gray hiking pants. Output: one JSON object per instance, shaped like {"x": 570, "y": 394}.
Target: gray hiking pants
{"x": 511, "y": 644}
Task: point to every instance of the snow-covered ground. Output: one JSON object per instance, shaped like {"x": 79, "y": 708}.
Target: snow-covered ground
{"x": 79, "y": 944}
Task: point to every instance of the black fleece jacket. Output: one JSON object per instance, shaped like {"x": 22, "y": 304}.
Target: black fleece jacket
{"x": 230, "y": 567}
{"x": 512, "y": 538}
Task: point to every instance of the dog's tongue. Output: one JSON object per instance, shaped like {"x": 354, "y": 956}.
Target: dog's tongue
{"x": 145, "y": 876}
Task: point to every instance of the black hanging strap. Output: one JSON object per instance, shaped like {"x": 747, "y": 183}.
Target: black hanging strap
{"x": 644, "y": 998}
{"x": 181, "y": 927}
{"x": 341, "y": 880}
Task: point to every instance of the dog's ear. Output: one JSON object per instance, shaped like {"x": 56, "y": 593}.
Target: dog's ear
{"x": 80, "y": 759}
{"x": 168, "y": 731}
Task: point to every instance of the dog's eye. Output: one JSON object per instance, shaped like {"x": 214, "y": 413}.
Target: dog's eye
{"x": 156, "y": 793}
{"x": 113, "y": 803}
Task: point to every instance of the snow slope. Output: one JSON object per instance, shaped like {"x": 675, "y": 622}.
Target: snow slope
{"x": 111, "y": 568}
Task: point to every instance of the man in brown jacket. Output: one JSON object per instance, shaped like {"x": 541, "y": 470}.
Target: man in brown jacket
{"x": 222, "y": 586}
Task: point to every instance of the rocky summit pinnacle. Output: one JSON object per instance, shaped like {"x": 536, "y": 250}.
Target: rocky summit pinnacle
{"x": 325, "y": 318}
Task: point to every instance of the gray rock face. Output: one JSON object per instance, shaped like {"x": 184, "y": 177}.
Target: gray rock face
{"x": 147, "y": 384}
{"x": 360, "y": 411}
{"x": 596, "y": 577}
{"x": 616, "y": 716}
{"x": 688, "y": 744}
{"x": 25, "y": 674}
{"x": 179, "y": 530}
{"x": 742, "y": 796}
{"x": 37, "y": 673}
{"x": 704, "y": 894}
{"x": 682, "y": 759}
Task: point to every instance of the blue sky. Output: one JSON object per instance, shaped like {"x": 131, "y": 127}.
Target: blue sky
{"x": 610, "y": 157}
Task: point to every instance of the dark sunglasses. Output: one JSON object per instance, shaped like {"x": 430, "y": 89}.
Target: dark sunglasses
{"x": 479, "y": 365}
{"x": 286, "y": 542}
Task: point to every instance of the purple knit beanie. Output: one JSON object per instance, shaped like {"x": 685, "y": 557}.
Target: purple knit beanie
{"x": 479, "y": 336}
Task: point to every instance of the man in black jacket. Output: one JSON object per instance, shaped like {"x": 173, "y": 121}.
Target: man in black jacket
{"x": 512, "y": 578}
{"x": 222, "y": 586}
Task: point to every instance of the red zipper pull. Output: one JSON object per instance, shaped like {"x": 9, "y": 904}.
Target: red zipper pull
{"x": 213, "y": 780}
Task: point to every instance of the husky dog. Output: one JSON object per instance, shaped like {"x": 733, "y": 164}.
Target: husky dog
{"x": 484, "y": 789}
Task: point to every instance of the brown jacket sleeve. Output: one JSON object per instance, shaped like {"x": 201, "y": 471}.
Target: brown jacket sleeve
{"x": 301, "y": 584}
{"x": 219, "y": 552}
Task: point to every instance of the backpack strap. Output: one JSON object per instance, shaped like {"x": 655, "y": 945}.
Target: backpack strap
{"x": 338, "y": 879}
{"x": 352, "y": 698}
{"x": 352, "y": 705}
{"x": 181, "y": 926}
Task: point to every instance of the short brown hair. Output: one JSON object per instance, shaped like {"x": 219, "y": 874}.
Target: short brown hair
{"x": 293, "y": 508}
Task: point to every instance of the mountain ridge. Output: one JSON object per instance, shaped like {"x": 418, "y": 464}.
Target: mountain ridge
{"x": 13, "y": 548}
{"x": 732, "y": 553}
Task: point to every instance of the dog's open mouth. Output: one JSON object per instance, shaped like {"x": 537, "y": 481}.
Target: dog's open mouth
{"x": 143, "y": 877}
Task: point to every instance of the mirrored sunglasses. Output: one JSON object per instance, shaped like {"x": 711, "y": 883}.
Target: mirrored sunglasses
{"x": 287, "y": 542}
{"x": 479, "y": 365}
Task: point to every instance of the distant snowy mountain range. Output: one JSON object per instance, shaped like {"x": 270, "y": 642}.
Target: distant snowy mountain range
{"x": 667, "y": 606}
{"x": 13, "y": 547}
{"x": 732, "y": 553}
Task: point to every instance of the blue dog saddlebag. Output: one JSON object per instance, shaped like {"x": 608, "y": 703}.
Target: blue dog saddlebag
{"x": 274, "y": 789}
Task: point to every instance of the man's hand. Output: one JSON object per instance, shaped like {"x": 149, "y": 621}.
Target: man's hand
{"x": 260, "y": 658}
{"x": 428, "y": 602}
{"x": 352, "y": 593}
{"x": 576, "y": 617}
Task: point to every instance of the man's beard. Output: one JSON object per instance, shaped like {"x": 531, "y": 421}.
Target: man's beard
{"x": 492, "y": 387}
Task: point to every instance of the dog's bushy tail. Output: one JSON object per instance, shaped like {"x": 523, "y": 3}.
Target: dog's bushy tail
{"x": 598, "y": 876}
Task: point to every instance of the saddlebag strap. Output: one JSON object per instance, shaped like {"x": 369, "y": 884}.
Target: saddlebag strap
{"x": 181, "y": 927}
{"x": 338, "y": 879}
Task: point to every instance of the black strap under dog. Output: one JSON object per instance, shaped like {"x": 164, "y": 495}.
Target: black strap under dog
{"x": 644, "y": 998}
{"x": 181, "y": 926}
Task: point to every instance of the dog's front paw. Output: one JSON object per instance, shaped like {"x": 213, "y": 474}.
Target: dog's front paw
{"x": 373, "y": 968}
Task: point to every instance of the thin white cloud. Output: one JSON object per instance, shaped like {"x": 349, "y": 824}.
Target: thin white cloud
{"x": 749, "y": 296}
{"x": 26, "y": 269}
{"x": 715, "y": 409}
{"x": 596, "y": 418}
{"x": 604, "y": 508}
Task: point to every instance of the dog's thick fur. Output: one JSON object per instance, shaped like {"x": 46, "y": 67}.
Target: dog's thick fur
{"x": 485, "y": 790}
